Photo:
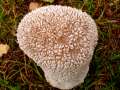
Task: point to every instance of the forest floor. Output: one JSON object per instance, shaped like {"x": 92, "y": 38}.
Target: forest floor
{"x": 18, "y": 72}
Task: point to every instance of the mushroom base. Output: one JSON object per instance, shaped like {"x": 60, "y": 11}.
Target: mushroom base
{"x": 68, "y": 83}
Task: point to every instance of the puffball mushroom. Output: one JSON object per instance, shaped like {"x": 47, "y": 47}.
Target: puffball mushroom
{"x": 61, "y": 40}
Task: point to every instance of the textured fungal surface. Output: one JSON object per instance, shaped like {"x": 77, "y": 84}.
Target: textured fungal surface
{"x": 61, "y": 40}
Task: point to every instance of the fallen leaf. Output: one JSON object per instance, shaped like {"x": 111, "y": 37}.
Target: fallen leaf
{"x": 50, "y": 1}
{"x": 3, "y": 49}
{"x": 108, "y": 11}
{"x": 33, "y": 5}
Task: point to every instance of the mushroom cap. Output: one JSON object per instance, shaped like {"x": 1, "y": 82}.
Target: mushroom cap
{"x": 61, "y": 40}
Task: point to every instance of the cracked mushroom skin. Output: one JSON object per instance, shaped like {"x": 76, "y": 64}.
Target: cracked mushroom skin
{"x": 61, "y": 40}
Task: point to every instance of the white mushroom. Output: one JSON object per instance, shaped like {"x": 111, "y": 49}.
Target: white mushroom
{"x": 61, "y": 40}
